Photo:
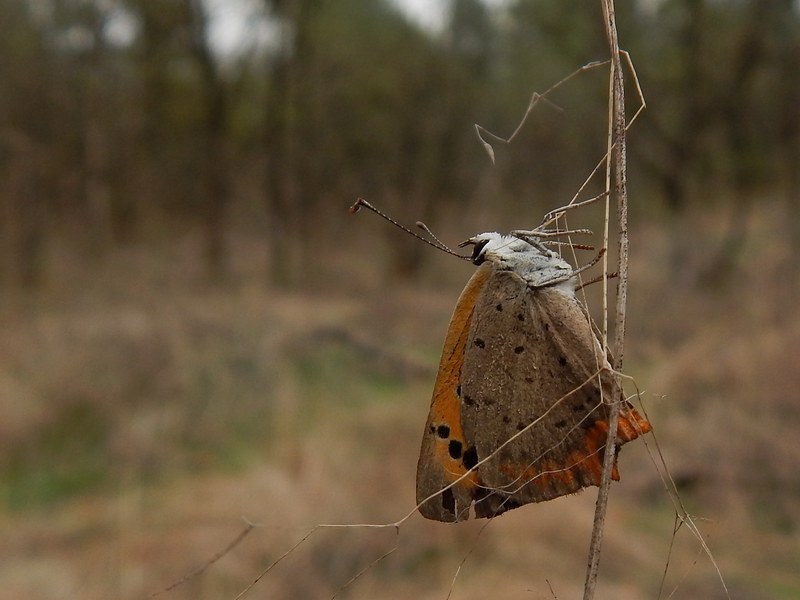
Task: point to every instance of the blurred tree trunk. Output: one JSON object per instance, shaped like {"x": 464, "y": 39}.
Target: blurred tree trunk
{"x": 789, "y": 75}
{"x": 96, "y": 147}
{"x": 289, "y": 134}
{"x": 431, "y": 178}
{"x": 213, "y": 158}
{"x": 793, "y": 206}
{"x": 27, "y": 157}
{"x": 25, "y": 211}
{"x": 685, "y": 145}
{"x": 679, "y": 121}
{"x": 410, "y": 194}
{"x": 740, "y": 121}
{"x": 675, "y": 168}
{"x": 276, "y": 142}
{"x": 149, "y": 152}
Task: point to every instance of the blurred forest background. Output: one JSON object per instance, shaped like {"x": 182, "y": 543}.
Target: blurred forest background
{"x": 194, "y": 329}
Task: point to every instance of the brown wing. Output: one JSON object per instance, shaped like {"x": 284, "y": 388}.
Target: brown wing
{"x": 441, "y": 461}
{"x": 531, "y": 357}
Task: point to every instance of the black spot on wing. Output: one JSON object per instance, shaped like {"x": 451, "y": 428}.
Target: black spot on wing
{"x": 470, "y": 457}
{"x": 454, "y": 448}
{"x": 562, "y": 360}
{"x": 480, "y": 343}
{"x": 449, "y": 501}
{"x": 499, "y": 308}
{"x": 468, "y": 400}
{"x": 443, "y": 431}
{"x": 519, "y": 349}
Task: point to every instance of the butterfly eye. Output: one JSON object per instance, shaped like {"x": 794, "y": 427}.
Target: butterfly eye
{"x": 478, "y": 255}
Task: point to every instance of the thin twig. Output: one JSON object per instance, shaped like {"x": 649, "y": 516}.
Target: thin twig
{"x": 258, "y": 578}
{"x": 535, "y": 98}
{"x": 617, "y": 146}
{"x": 466, "y": 556}
{"x": 369, "y": 566}
{"x": 249, "y": 527}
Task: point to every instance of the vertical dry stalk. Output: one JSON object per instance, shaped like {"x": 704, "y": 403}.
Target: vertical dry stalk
{"x": 617, "y": 158}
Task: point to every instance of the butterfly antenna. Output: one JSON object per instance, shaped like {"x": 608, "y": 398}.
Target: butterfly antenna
{"x": 360, "y": 202}
{"x": 540, "y": 234}
{"x": 570, "y": 244}
{"x": 547, "y": 233}
{"x": 438, "y": 242}
{"x": 597, "y": 279}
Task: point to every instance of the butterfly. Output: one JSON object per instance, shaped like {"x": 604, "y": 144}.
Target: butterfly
{"x": 520, "y": 407}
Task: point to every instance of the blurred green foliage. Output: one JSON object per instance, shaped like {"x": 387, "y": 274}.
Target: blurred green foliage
{"x": 78, "y": 432}
{"x": 120, "y": 118}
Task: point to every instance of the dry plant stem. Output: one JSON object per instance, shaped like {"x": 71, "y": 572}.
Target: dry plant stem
{"x": 249, "y": 527}
{"x": 258, "y": 578}
{"x": 466, "y": 556}
{"x": 642, "y": 106}
{"x": 364, "y": 570}
{"x": 480, "y": 130}
{"x": 617, "y": 144}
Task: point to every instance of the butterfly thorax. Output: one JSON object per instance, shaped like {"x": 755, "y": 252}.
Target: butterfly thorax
{"x": 535, "y": 264}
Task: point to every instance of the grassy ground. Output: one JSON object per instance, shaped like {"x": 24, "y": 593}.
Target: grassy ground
{"x": 145, "y": 412}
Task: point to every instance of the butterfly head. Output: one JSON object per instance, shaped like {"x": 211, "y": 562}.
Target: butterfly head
{"x": 532, "y": 261}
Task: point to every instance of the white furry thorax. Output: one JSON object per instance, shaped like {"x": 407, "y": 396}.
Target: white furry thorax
{"x": 535, "y": 264}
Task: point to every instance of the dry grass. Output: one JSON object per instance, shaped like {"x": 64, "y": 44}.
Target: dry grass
{"x": 144, "y": 412}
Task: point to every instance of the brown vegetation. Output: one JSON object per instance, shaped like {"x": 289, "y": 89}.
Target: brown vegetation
{"x": 145, "y": 412}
